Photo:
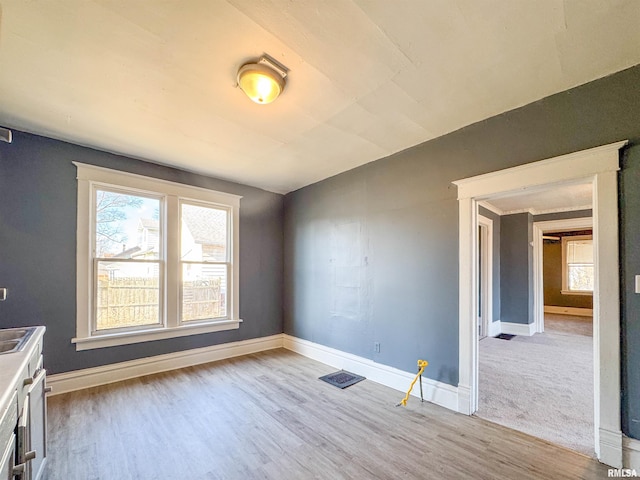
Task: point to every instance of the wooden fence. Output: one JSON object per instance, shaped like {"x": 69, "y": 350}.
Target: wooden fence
{"x": 134, "y": 301}
{"x": 202, "y": 299}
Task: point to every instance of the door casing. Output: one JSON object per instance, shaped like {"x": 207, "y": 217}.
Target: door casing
{"x": 599, "y": 166}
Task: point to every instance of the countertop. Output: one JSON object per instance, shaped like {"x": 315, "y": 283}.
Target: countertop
{"x": 12, "y": 366}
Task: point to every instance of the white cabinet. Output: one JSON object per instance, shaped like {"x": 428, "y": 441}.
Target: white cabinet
{"x": 38, "y": 423}
{"x": 7, "y": 459}
{"x": 31, "y": 433}
{"x": 8, "y": 420}
{"x": 23, "y": 409}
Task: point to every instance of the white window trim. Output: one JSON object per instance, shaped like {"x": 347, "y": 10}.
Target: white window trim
{"x": 88, "y": 176}
{"x": 565, "y": 274}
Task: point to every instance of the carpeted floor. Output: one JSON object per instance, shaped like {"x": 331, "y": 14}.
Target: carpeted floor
{"x": 568, "y": 324}
{"x": 542, "y": 385}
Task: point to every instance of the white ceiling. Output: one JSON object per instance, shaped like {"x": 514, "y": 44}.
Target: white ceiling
{"x": 156, "y": 79}
{"x": 546, "y": 199}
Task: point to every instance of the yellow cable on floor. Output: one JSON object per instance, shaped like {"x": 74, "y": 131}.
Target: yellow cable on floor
{"x": 421, "y": 365}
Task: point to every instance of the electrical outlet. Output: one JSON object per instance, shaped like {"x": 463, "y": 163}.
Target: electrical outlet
{"x": 376, "y": 347}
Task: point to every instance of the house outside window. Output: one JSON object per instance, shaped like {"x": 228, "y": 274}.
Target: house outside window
{"x": 203, "y": 257}
{"x": 156, "y": 259}
{"x": 126, "y": 275}
{"x": 577, "y": 262}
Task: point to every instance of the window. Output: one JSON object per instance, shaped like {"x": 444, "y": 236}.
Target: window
{"x": 127, "y": 264}
{"x": 577, "y": 260}
{"x": 205, "y": 261}
{"x": 155, "y": 259}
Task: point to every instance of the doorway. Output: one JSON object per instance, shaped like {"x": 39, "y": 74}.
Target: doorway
{"x": 534, "y": 381}
{"x": 598, "y": 166}
{"x": 539, "y": 230}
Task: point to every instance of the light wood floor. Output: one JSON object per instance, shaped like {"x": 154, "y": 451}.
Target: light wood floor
{"x": 267, "y": 416}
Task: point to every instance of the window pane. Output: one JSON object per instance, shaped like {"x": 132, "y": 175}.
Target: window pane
{"x": 204, "y": 233}
{"x": 127, "y": 226}
{"x": 204, "y": 291}
{"x": 127, "y": 294}
{"x": 581, "y": 277}
{"x": 579, "y": 251}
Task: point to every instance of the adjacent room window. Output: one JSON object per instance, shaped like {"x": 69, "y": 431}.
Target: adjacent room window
{"x": 577, "y": 259}
{"x": 155, "y": 260}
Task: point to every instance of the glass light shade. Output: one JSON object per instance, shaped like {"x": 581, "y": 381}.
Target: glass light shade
{"x": 260, "y": 83}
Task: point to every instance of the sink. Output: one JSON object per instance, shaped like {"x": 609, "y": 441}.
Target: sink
{"x": 9, "y": 346}
{"x": 14, "y": 339}
{"x": 13, "y": 334}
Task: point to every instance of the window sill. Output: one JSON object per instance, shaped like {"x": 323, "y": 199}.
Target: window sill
{"x": 126, "y": 338}
{"x": 573, "y": 292}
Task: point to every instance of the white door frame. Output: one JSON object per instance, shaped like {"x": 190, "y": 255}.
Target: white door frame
{"x": 539, "y": 229}
{"x": 600, "y": 166}
{"x": 486, "y": 274}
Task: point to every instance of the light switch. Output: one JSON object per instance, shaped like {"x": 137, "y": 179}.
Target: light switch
{"x": 3, "y": 294}
{"x": 637, "y": 283}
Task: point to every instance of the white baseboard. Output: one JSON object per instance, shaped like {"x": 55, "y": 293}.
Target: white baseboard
{"x": 436, "y": 392}
{"x": 525, "y": 329}
{"x": 580, "y": 312}
{"x": 115, "y": 372}
{"x": 631, "y": 453}
{"x": 610, "y": 448}
{"x": 464, "y": 399}
{"x": 494, "y": 328}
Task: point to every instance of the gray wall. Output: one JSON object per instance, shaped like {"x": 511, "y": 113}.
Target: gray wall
{"x": 38, "y": 192}
{"x": 354, "y": 276}
{"x": 630, "y": 266}
{"x": 516, "y": 268}
{"x": 404, "y": 232}
{"x": 496, "y": 260}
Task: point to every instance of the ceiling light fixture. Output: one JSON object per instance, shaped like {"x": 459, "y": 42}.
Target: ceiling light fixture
{"x": 262, "y": 81}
